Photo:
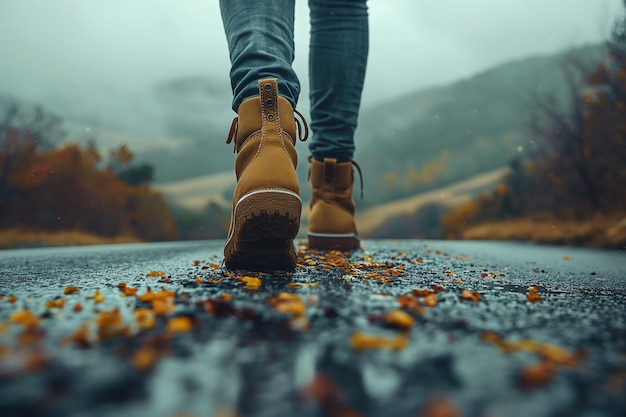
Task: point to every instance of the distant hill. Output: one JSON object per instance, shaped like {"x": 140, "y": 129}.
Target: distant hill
{"x": 432, "y": 137}
{"x": 415, "y": 143}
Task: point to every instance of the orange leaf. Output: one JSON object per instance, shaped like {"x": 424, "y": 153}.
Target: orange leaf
{"x": 162, "y": 307}
{"x": 155, "y": 274}
{"x": 98, "y": 297}
{"x": 288, "y": 303}
{"x": 470, "y": 295}
{"x": 145, "y": 318}
{"x": 179, "y": 325}
{"x": 59, "y": 303}
{"x": 360, "y": 341}
{"x": 252, "y": 283}
{"x": 35, "y": 361}
{"x": 399, "y": 318}
{"x": 81, "y": 336}
{"x": 408, "y": 302}
{"x": 536, "y": 375}
{"x": 144, "y": 358}
{"x": 111, "y": 325}
{"x": 437, "y": 288}
{"x": 70, "y": 290}
{"x": 430, "y": 300}
{"x": 24, "y": 317}
{"x": 422, "y": 293}
{"x": 30, "y": 336}
{"x": 440, "y": 406}
{"x": 533, "y": 295}
{"x": 302, "y": 284}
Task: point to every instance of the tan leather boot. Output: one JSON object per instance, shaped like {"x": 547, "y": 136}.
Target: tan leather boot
{"x": 331, "y": 222}
{"x": 266, "y": 202}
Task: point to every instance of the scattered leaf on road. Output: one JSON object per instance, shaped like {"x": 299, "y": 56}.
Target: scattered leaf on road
{"x": 97, "y": 297}
{"x": 533, "y": 295}
{"x": 252, "y": 283}
{"x": 24, "y": 317}
{"x": 399, "y": 318}
{"x": 179, "y": 325}
{"x": 70, "y": 289}
{"x": 361, "y": 341}
{"x": 536, "y": 375}
{"x": 58, "y": 303}
{"x": 470, "y": 295}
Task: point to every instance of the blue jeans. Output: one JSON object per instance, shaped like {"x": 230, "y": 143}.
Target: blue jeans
{"x": 260, "y": 42}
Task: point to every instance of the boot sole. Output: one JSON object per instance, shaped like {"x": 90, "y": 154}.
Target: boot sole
{"x": 265, "y": 224}
{"x": 333, "y": 241}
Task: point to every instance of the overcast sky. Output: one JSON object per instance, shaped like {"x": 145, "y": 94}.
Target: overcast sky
{"x": 127, "y": 45}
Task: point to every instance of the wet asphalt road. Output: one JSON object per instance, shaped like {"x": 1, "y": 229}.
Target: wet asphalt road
{"x": 212, "y": 343}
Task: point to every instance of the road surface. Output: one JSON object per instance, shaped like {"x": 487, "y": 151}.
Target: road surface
{"x": 402, "y": 328}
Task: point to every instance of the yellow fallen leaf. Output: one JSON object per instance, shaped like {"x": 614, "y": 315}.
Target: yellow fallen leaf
{"x": 24, "y": 317}
{"x": 111, "y": 325}
{"x": 408, "y": 302}
{"x": 422, "y": 293}
{"x": 302, "y": 284}
{"x": 179, "y": 325}
{"x": 162, "y": 295}
{"x": 470, "y": 295}
{"x": 361, "y": 341}
{"x": 81, "y": 337}
{"x": 145, "y": 318}
{"x": 399, "y": 318}
{"x": 288, "y": 303}
{"x": 533, "y": 295}
{"x": 144, "y": 358}
{"x": 98, "y": 297}
{"x": 162, "y": 307}
{"x": 59, "y": 303}
{"x": 155, "y": 274}
{"x": 252, "y": 283}
{"x": 70, "y": 290}
{"x": 430, "y": 300}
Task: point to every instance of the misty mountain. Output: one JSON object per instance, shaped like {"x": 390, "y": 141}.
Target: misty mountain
{"x": 197, "y": 109}
{"x": 448, "y": 133}
{"x": 420, "y": 141}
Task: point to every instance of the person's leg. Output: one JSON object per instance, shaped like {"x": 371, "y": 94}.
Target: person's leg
{"x": 338, "y": 57}
{"x": 337, "y": 62}
{"x": 260, "y": 44}
{"x": 266, "y": 202}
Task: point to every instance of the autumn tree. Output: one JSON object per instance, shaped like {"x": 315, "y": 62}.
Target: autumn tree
{"x": 67, "y": 188}
{"x": 22, "y": 133}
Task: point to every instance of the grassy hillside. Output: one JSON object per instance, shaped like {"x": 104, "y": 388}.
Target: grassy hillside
{"x": 430, "y": 138}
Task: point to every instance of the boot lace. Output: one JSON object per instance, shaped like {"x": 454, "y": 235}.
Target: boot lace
{"x": 302, "y": 129}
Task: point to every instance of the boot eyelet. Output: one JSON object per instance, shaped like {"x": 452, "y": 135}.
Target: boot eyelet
{"x": 269, "y": 102}
{"x": 268, "y": 87}
{"x": 270, "y": 117}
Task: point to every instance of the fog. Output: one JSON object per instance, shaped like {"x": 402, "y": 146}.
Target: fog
{"x": 100, "y": 61}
